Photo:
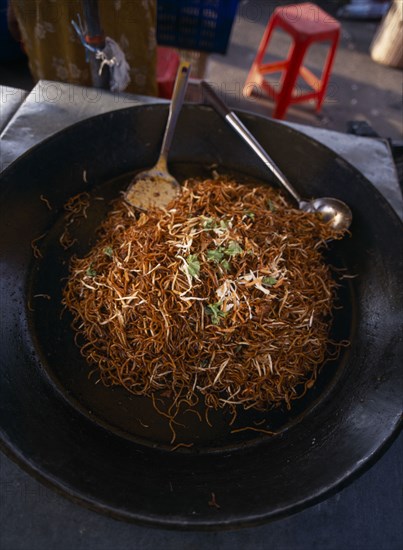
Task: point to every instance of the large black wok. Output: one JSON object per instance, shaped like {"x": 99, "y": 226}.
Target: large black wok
{"x": 108, "y": 449}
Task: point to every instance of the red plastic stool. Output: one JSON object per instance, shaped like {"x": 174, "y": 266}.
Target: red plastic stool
{"x": 167, "y": 65}
{"x": 306, "y": 23}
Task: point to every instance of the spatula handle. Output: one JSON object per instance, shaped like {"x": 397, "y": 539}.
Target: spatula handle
{"x": 175, "y": 107}
{"x": 213, "y": 99}
{"x": 246, "y": 135}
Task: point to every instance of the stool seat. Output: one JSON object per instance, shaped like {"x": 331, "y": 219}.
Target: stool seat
{"x": 306, "y": 19}
{"x": 305, "y": 23}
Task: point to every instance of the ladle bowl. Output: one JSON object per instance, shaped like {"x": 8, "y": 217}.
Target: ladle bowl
{"x": 332, "y": 210}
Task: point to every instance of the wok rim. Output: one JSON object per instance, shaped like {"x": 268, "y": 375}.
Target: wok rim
{"x": 175, "y": 523}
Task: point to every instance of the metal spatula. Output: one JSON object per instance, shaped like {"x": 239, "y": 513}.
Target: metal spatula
{"x": 157, "y": 187}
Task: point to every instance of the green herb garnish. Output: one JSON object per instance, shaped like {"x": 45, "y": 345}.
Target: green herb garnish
{"x": 225, "y": 264}
{"x": 209, "y": 223}
{"x": 216, "y": 313}
{"x": 224, "y": 224}
{"x": 269, "y": 281}
{"x": 233, "y": 249}
{"x": 271, "y": 206}
{"x": 250, "y": 214}
{"x": 108, "y": 251}
{"x": 91, "y": 271}
{"x": 215, "y": 255}
{"x": 193, "y": 265}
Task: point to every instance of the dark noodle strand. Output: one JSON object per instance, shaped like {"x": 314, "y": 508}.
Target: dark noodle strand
{"x": 224, "y": 295}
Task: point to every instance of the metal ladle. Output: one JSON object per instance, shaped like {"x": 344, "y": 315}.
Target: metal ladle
{"x": 334, "y": 211}
{"x": 156, "y": 187}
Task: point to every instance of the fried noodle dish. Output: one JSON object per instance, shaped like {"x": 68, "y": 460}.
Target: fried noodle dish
{"x": 223, "y": 297}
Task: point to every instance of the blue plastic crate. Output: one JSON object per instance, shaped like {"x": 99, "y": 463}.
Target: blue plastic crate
{"x": 196, "y": 24}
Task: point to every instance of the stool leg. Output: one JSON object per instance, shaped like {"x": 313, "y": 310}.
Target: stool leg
{"x": 265, "y": 39}
{"x": 254, "y": 76}
{"x": 326, "y": 71}
{"x": 291, "y": 74}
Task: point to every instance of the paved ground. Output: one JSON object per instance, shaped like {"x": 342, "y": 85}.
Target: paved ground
{"x": 359, "y": 89}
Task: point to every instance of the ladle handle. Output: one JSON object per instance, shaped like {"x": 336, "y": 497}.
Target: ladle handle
{"x": 178, "y": 96}
{"x": 241, "y": 129}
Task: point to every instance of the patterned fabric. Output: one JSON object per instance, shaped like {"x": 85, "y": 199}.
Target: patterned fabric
{"x": 55, "y": 52}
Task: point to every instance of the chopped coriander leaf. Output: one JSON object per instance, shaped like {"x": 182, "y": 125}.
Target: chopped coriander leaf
{"x": 91, "y": 271}
{"x": 271, "y": 206}
{"x": 215, "y": 312}
{"x": 193, "y": 265}
{"x": 270, "y": 281}
{"x": 213, "y": 224}
{"x": 233, "y": 249}
{"x": 225, "y": 264}
{"x": 209, "y": 223}
{"x": 215, "y": 255}
{"x": 250, "y": 214}
{"x": 224, "y": 224}
{"x": 108, "y": 251}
